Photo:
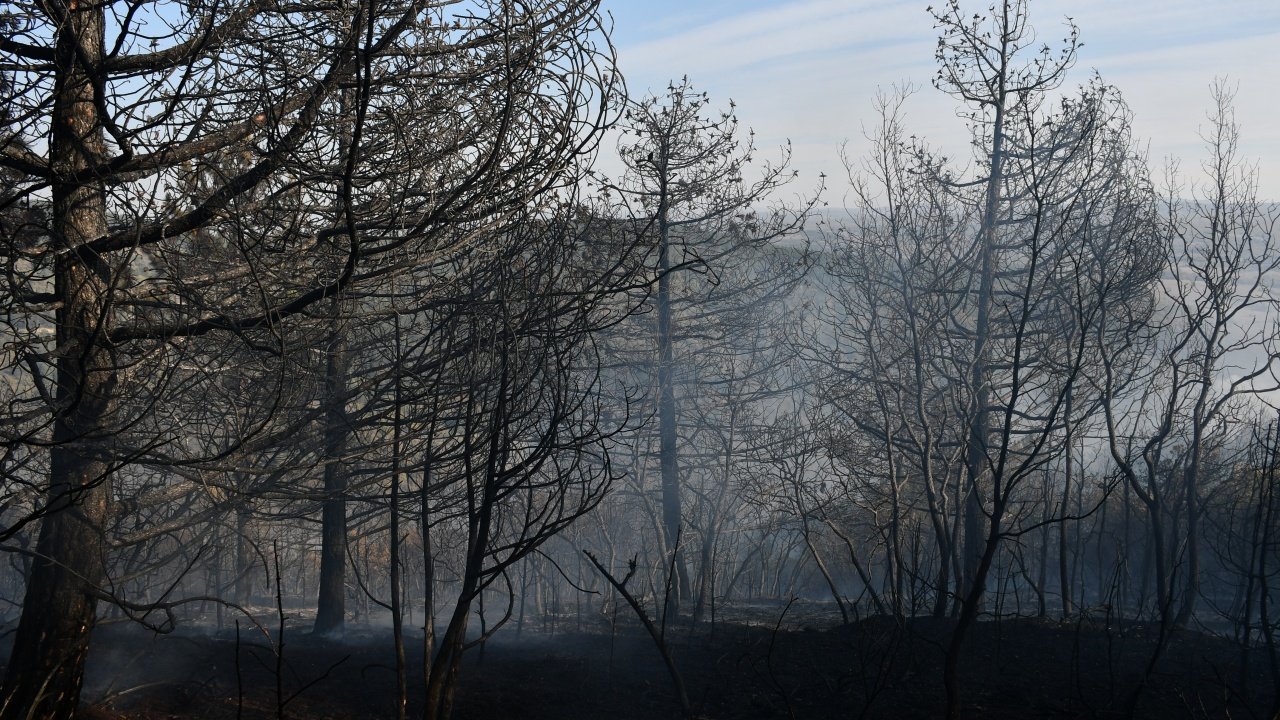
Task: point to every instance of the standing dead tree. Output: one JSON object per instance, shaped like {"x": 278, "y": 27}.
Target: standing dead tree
{"x": 504, "y": 400}
{"x": 966, "y": 326}
{"x": 688, "y": 195}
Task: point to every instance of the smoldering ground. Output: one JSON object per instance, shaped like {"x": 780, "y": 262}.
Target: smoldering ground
{"x": 757, "y": 662}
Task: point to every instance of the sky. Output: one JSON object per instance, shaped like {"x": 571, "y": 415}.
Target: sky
{"x": 809, "y": 70}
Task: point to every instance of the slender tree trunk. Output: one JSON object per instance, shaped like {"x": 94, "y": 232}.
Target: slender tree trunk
{"x": 1191, "y": 590}
{"x": 1043, "y": 573}
{"x": 863, "y": 575}
{"x": 428, "y": 574}
{"x": 215, "y": 575}
{"x": 955, "y": 543}
{"x": 822, "y": 567}
{"x": 397, "y": 619}
{"x": 667, "y": 437}
{"x": 706, "y": 570}
{"x": 1265, "y": 625}
{"x": 1126, "y": 577}
{"x": 968, "y": 615}
{"x": 1064, "y": 575}
{"x": 244, "y": 556}
{"x": 1163, "y": 599}
{"x": 944, "y": 585}
{"x": 979, "y": 550}
{"x": 331, "y": 601}
{"x": 893, "y": 552}
{"x": 442, "y": 681}
{"x": 46, "y": 667}
{"x": 976, "y": 461}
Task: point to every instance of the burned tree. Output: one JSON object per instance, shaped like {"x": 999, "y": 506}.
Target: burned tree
{"x": 155, "y": 131}
{"x": 517, "y": 442}
{"x": 970, "y": 306}
{"x": 688, "y": 196}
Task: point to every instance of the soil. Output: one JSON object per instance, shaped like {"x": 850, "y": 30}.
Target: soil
{"x": 745, "y": 665}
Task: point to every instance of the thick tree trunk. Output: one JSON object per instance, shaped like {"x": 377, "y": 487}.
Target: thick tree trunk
{"x": 443, "y": 680}
{"x": 46, "y": 666}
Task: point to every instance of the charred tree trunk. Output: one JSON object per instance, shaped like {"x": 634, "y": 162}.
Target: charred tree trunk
{"x": 1064, "y": 575}
{"x": 428, "y": 573}
{"x": 331, "y": 601}
{"x": 667, "y": 439}
{"x": 976, "y": 460}
{"x": 46, "y": 667}
{"x": 442, "y": 678}
{"x": 1190, "y": 487}
{"x": 397, "y": 616}
{"x": 969, "y": 608}
{"x": 244, "y": 556}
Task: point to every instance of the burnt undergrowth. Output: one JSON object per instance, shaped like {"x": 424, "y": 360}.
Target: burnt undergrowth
{"x": 756, "y": 663}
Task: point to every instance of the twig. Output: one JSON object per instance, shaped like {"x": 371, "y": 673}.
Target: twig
{"x": 786, "y": 697}
{"x": 621, "y": 587}
{"x": 239, "y": 677}
{"x": 279, "y": 645}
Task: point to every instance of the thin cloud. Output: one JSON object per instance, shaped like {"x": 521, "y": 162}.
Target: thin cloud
{"x": 808, "y": 70}
{"x": 752, "y": 39}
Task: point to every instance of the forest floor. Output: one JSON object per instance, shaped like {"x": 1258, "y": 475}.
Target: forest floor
{"x": 745, "y": 665}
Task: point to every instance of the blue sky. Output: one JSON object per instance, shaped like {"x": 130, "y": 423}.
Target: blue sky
{"x": 808, "y": 69}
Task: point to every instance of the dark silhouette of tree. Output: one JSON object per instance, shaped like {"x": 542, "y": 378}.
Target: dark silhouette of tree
{"x": 688, "y": 194}
{"x": 222, "y": 131}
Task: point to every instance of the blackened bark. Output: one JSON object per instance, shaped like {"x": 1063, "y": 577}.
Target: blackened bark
{"x": 667, "y": 439}
{"x": 976, "y": 460}
{"x": 397, "y": 619}
{"x": 46, "y": 667}
{"x": 331, "y": 600}
{"x": 1064, "y": 575}
{"x": 244, "y": 556}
